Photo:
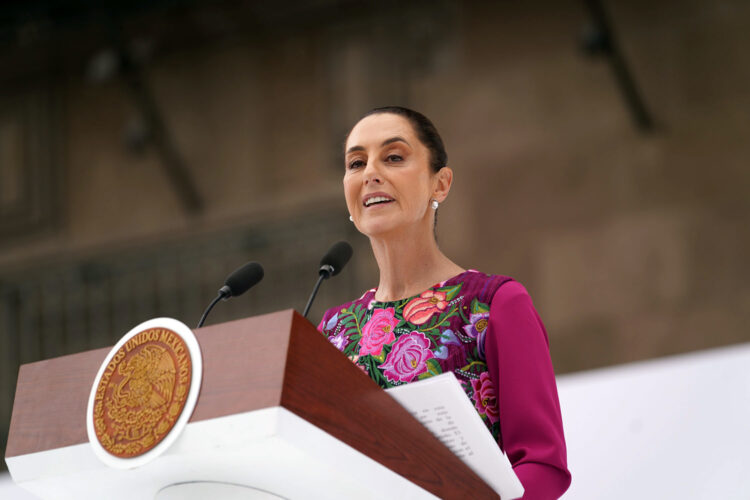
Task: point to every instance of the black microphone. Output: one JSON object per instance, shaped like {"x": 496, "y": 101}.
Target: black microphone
{"x": 237, "y": 283}
{"x": 330, "y": 265}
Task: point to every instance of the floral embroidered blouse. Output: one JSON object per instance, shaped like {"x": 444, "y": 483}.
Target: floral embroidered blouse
{"x": 484, "y": 329}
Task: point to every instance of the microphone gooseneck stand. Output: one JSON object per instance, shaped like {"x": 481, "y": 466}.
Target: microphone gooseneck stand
{"x": 325, "y": 272}
{"x": 224, "y": 293}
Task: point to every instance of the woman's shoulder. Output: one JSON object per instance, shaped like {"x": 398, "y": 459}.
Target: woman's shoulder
{"x": 502, "y": 286}
{"x": 478, "y": 285}
{"x": 493, "y": 293}
{"x": 511, "y": 290}
{"x": 504, "y": 293}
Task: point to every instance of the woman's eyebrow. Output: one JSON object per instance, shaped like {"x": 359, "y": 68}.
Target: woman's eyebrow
{"x": 394, "y": 139}
{"x": 384, "y": 143}
{"x": 355, "y": 148}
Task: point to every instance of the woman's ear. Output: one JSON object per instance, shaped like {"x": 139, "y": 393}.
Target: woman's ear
{"x": 443, "y": 182}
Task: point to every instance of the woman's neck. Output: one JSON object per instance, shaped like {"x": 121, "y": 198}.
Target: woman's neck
{"x": 409, "y": 266}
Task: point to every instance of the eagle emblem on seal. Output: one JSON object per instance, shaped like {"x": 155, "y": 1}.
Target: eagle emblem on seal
{"x": 142, "y": 396}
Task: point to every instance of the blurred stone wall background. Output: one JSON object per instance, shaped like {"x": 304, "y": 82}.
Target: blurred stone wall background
{"x": 633, "y": 244}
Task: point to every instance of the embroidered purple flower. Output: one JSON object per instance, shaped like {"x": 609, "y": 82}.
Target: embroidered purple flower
{"x": 408, "y": 358}
{"x": 340, "y": 340}
{"x": 478, "y": 324}
{"x": 448, "y": 337}
{"x": 484, "y": 397}
{"x": 441, "y": 352}
{"x": 378, "y": 332}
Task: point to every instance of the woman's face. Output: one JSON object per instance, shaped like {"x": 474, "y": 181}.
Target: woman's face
{"x": 388, "y": 181}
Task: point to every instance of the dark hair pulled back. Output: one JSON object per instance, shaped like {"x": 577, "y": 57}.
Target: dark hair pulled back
{"x": 425, "y": 130}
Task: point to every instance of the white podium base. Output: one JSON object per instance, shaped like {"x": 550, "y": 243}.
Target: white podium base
{"x": 270, "y": 452}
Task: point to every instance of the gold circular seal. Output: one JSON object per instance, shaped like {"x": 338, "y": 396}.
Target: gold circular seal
{"x": 142, "y": 392}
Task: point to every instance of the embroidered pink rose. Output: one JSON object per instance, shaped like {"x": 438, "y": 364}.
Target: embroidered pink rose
{"x": 419, "y": 310}
{"x": 408, "y": 358}
{"x": 378, "y": 332}
{"x": 484, "y": 397}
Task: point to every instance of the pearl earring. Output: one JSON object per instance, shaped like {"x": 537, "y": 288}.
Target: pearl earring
{"x": 434, "y": 204}
{"x": 351, "y": 219}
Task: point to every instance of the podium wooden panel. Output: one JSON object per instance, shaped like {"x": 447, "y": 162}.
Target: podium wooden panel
{"x": 273, "y": 360}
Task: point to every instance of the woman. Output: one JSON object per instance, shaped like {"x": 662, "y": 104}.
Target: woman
{"x": 428, "y": 315}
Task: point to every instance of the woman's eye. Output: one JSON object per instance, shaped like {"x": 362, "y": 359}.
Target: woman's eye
{"x": 394, "y": 158}
{"x": 356, "y": 164}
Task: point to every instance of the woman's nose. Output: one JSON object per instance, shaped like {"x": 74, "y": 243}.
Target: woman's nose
{"x": 372, "y": 173}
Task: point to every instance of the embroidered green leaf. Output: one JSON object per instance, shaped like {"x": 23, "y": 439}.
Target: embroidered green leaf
{"x": 377, "y": 375}
{"x": 348, "y": 321}
{"x": 479, "y": 307}
{"x": 451, "y": 291}
{"x": 463, "y": 315}
{"x": 474, "y": 365}
{"x": 433, "y": 368}
{"x": 359, "y": 312}
{"x": 402, "y": 324}
{"x": 351, "y": 319}
{"x": 439, "y": 321}
{"x": 433, "y": 336}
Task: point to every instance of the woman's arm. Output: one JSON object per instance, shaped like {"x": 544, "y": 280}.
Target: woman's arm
{"x": 519, "y": 364}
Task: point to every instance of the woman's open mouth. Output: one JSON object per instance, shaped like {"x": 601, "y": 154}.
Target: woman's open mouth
{"x": 376, "y": 199}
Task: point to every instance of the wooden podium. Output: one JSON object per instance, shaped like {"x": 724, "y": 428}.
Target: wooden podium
{"x": 281, "y": 413}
